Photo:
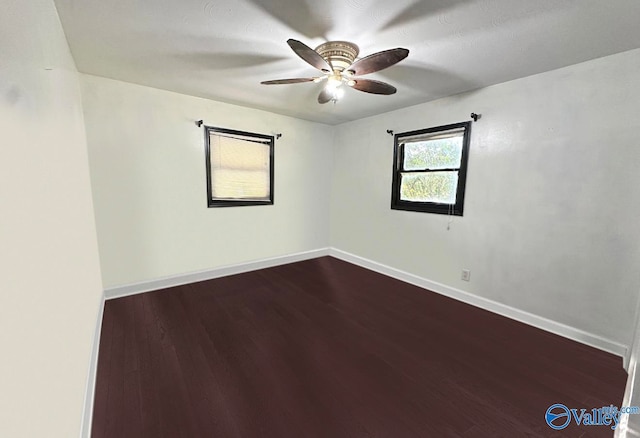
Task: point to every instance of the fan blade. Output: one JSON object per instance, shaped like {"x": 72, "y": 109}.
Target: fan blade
{"x": 377, "y": 61}
{"x": 309, "y": 55}
{"x": 374, "y": 87}
{"x": 287, "y": 81}
{"x": 324, "y": 96}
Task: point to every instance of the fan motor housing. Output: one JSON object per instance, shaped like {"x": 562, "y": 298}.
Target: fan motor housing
{"x": 339, "y": 54}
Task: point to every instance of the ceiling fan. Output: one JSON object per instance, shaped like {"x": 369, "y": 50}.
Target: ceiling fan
{"x": 336, "y": 60}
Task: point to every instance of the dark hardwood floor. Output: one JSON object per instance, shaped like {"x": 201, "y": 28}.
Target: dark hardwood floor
{"x": 324, "y": 348}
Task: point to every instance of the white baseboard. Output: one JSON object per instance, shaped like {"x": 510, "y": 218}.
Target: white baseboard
{"x": 193, "y": 277}
{"x": 89, "y": 394}
{"x": 460, "y": 295}
{"x": 487, "y": 304}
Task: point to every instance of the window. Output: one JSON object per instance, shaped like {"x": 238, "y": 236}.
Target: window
{"x": 430, "y": 168}
{"x": 239, "y": 168}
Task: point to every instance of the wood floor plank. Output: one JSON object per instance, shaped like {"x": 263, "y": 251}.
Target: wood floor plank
{"x": 323, "y": 348}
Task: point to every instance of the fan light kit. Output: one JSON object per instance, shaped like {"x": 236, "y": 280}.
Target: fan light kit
{"x": 337, "y": 61}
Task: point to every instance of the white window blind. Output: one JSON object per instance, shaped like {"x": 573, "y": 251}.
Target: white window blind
{"x": 441, "y": 135}
{"x": 239, "y": 167}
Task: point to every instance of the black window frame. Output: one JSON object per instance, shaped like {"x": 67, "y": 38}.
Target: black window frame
{"x": 456, "y": 209}
{"x": 214, "y": 202}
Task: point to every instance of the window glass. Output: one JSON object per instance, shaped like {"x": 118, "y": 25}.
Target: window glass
{"x": 430, "y": 168}
{"x": 433, "y": 154}
{"x": 429, "y": 187}
{"x": 239, "y": 168}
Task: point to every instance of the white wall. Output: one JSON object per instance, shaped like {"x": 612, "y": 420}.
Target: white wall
{"x": 50, "y": 288}
{"x": 148, "y": 178}
{"x": 630, "y": 424}
{"x": 552, "y": 205}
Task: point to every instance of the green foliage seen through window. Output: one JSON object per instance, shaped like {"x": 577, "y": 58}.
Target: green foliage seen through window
{"x": 433, "y": 186}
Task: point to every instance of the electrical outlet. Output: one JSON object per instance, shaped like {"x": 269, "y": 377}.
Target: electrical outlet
{"x": 466, "y": 274}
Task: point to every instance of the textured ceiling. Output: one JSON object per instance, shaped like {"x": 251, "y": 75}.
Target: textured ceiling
{"x": 222, "y": 49}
